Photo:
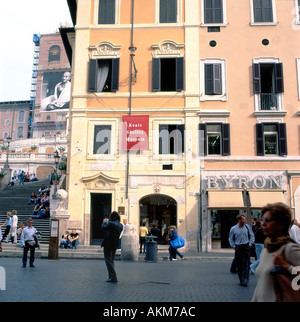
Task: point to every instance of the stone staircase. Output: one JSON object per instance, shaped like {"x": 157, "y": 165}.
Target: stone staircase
{"x": 82, "y": 252}
{"x": 16, "y": 198}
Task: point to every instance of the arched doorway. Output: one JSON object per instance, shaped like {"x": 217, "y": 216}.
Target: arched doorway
{"x": 160, "y": 209}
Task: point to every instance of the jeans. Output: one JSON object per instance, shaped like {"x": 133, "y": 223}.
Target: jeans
{"x": 64, "y": 244}
{"x": 258, "y": 249}
{"x": 173, "y": 252}
{"x": 74, "y": 243}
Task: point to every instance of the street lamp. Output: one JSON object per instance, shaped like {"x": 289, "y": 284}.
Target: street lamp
{"x": 56, "y": 160}
{"x": 8, "y": 140}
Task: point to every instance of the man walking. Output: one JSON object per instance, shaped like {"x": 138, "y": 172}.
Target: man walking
{"x": 7, "y": 225}
{"x": 28, "y": 242}
{"x": 240, "y": 238}
{"x": 113, "y": 229}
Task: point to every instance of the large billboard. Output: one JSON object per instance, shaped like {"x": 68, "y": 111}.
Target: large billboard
{"x": 56, "y": 91}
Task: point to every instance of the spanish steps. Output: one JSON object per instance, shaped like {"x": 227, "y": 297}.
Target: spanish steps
{"x": 16, "y": 198}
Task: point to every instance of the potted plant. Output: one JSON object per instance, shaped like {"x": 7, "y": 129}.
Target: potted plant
{"x": 33, "y": 148}
{"x": 55, "y": 178}
{"x": 62, "y": 167}
{"x": 1, "y": 141}
{"x": 2, "y": 174}
{"x": 20, "y": 137}
{"x": 58, "y": 133}
{"x": 4, "y": 148}
{"x": 61, "y": 149}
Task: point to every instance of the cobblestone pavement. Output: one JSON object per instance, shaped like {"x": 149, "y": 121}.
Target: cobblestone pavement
{"x": 71, "y": 280}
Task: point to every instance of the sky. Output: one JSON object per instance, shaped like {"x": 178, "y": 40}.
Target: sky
{"x": 19, "y": 20}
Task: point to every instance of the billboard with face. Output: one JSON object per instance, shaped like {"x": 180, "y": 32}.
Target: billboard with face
{"x": 56, "y": 91}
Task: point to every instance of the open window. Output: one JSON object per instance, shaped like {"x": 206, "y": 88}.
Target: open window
{"x": 268, "y": 85}
{"x": 103, "y": 75}
{"x": 167, "y": 74}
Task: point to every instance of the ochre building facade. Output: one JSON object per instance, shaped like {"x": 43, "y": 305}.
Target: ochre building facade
{"x": 183, "y": 113}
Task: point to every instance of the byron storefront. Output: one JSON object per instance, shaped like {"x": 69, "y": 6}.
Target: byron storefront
{"x": 226, "y": 194}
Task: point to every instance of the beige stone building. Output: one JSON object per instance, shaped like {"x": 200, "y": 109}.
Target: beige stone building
{"x": 183, "y": 112}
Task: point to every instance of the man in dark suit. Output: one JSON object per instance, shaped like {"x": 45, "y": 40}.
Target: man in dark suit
{"x": 113, "y": 229}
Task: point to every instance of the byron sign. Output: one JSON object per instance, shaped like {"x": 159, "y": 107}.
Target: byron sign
{"x": 245, "y": 181}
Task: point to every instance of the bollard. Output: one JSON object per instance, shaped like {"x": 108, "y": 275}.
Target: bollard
{"x": 151, "y": 249}
{"x": 130, "y": 244}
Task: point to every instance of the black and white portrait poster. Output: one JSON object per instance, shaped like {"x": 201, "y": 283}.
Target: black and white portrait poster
{"x": 56, "y": 91}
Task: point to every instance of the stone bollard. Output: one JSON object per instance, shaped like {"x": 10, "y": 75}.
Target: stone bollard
{"x": 130, "y": 244}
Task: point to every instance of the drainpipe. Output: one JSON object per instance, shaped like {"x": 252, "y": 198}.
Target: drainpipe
{"x": 132, "y": 53}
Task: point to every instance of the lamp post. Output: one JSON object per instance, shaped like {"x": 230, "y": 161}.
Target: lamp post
{"x": 8, "y": 140}
{"x": 56, "y": 160}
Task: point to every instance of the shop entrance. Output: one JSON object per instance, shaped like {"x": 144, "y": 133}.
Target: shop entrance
{"x": 222, "y": 221}
{"x": 100, "y": 209}
{"x": 159, "y": 209}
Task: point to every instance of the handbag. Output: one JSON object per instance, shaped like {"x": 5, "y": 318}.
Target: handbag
{"x": 283, "y": 286}
{"x": 178, "y": 242}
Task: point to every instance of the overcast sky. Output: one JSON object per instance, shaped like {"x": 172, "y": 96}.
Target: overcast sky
{"x": 19, "y": 20}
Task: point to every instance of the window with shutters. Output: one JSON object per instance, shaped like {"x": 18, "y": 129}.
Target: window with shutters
{"x": 297, "y": 12}
{"x": 268, "y": 86}
{"x": 213, "y": 13}
{"x": 167, "y": 74}
{"x": 107, "y": 12}
{"x": 213, "y": 80}
{"x": 168, "y": 11}
{"x": 271, "y": 139}
{"x": 215, "y": 138}
{"x": 298, "y": 76}
{"x": 171, "y": 138}
{"x": 263, "y": 12}
{"x": 103, "y": 75}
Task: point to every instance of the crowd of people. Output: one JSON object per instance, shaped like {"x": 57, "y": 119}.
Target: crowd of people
{"x": 41, "y": 201}
{"x": 21, "y": 176}
{"x": 275, "y": 236}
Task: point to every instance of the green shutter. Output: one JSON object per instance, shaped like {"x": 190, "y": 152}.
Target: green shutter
{"x": 179, "y": 74}
{"x": 92, "y": 80}
{"x": 115, "y": 66}
{"x": 225, "y": 139}
{"x": 155, "y": 75}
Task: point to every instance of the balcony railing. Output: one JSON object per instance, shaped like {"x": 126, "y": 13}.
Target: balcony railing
{"x": 268, "y": 102}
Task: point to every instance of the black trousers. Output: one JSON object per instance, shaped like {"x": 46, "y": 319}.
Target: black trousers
{"x": 242, "y": 257}
{"x": 109, "y": 256}
{"x": 6, "y": 232}
{"x": 25, "y": 252}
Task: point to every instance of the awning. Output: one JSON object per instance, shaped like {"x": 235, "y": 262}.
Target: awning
{"x": 258, "y": 199}
{"x": 226, "y": 199}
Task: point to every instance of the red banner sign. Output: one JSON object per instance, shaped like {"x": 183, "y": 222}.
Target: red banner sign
{"x": 135, "y": 130}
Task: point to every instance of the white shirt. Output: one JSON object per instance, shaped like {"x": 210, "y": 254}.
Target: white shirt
{"x": 27, "y": 234}
{"x": 295, "y": 233}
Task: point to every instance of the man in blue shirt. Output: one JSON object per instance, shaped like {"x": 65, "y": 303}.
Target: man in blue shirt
{"x": 240, "y": 238}
{"x": 7, "y": 225}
